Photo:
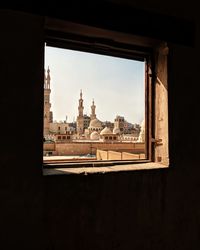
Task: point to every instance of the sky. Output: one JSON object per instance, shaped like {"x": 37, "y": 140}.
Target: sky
{"x": 115, "y": 84}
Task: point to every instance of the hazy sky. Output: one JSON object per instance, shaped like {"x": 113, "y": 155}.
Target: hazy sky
{"x": 115, "y": 84}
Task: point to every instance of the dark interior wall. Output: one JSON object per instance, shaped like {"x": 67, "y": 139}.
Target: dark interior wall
{"x": 21, "y": 192}
{"x": 156, "y": 209}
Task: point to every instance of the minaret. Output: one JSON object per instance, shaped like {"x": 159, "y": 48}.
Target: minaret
{"x": 80, "y": 107}
{"x": 93, "y": 115}
{"x": 80, "y": 119}
{"x": 48, "y": 116}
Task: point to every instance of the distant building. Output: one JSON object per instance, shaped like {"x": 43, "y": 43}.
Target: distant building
{"x": 95, "y": 125}
{"x": 58, "y": 128}
{"x": 86, "y": 127}
{"x": 108, "y": 124}
{"x": 107, "y": 135}
{"x": 119, "y": 123}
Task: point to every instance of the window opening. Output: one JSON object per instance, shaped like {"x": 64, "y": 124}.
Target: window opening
{"x": 102, "y": 99}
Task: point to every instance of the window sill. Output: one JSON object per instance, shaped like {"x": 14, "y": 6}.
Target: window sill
{"x": 103, "y": 170}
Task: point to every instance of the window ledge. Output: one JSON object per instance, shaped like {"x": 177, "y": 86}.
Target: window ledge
{"x": 103, "y": 170}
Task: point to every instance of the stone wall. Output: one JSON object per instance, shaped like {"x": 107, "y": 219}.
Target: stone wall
{"x": 83, "y": 148}
{"x": 114, "y": 155}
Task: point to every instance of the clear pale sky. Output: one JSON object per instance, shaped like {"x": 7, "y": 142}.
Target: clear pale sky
{"x": 115, "y": 84}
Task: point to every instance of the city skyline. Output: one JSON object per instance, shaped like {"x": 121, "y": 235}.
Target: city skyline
{"x": 115, "y": 84}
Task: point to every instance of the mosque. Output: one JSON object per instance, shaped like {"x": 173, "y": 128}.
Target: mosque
{"x": 86, "y": 127}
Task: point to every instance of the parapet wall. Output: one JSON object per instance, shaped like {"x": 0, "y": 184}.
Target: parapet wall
{"x": 84, "y": 148}
{"x": 114, "y": 155}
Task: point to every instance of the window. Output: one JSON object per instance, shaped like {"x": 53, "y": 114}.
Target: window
{"x": 149, "y": 139}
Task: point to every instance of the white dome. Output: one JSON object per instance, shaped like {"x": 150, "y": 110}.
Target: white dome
{"x": 106, "y": 131}
{"x": 94, "y": 136}
{"x": 95, "y": 123}
{"x": 116, "y": 131}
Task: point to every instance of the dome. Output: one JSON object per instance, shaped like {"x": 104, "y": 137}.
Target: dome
{"x": 95, "y": 123}
{"x": 94, "y": 136}
{"x": 116, "y": 131}
{"x": 106, "y": 131}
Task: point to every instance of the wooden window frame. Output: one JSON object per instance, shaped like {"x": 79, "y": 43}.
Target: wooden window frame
{"x": 64, "y": 34}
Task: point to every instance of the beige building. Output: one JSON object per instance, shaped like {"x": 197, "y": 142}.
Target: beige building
{"x": 107, "y": 135}
{"x": 58, "y": 128}
{"x": 86, "y": 121}
{"x": 95, "y": 125}
{"x": 119, "y": 123}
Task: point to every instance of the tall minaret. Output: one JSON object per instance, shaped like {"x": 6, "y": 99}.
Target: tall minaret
{"x": 93, "y": 115}
{"x": 80, "y": 119}
{"x": 80, "y": 107}
{"x": 48, "y": 117}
